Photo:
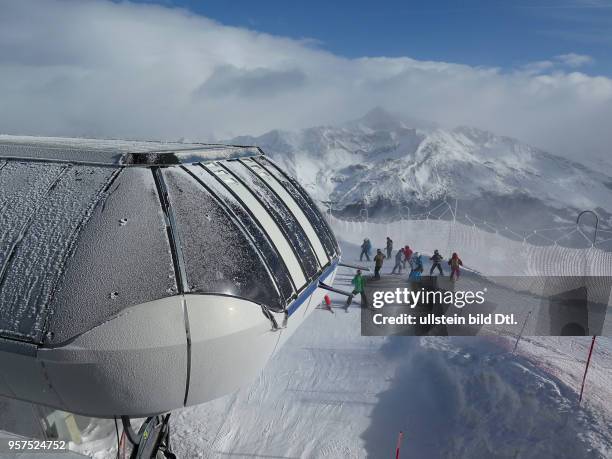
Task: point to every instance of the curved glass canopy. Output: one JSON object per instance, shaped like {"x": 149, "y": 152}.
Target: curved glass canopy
{"x": 82, "y": 241}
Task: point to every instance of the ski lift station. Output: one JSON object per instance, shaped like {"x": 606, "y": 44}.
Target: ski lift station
{"x": 141, "y": 277}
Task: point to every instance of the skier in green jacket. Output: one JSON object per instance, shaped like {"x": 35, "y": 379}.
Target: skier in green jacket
{"x": 358, "y": 287}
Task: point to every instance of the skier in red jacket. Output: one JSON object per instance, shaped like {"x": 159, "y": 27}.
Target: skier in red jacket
{"x": 407, "y": 254}
{"x": 454, "y": 264}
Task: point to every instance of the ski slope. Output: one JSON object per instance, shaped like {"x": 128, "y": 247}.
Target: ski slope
{"x": 331, "y": 393}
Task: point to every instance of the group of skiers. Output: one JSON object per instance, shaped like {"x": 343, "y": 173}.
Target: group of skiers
{"x": 404, "y": 255}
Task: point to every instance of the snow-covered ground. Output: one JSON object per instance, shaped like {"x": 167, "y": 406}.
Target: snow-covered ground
{"x": 331, "y": 393}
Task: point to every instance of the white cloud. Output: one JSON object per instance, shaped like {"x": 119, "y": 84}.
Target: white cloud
{"x": 574, "y": 60}
{"x": 92, "y": 67}
{"x": 538, "y": 67}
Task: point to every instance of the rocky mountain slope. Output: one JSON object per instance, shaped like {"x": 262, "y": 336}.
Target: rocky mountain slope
{"x": 385, "y": 164}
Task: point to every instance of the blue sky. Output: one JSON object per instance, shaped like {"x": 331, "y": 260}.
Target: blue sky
{"x": 498, "y": 33}
{"x": 212, "y": 70}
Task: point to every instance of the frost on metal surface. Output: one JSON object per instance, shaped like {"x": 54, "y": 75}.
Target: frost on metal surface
{"x": 38, "y": 253}
{"x": 23, "y": 188}
{"x": 116, "y": 151}
{"x": 308, "y": 207}
{"x": 75, "y": 153}
{"x": 120, "y": 260}
{"x": 219, "y": 257}
{"x": 265, "y": 246}
{"x": 287, "y": 222}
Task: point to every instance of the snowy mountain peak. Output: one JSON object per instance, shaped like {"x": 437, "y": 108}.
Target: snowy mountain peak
{"x": 384, "y": 163}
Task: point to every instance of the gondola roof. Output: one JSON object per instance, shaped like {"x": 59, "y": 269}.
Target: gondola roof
{"x": 116, "y": 152}
{"x": 92, "y": 227}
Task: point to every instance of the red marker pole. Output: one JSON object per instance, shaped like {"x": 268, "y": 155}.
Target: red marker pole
{"x": 328, "y": 302}
{"x": 586, "y": 369}
{"x": 400, "y": 437}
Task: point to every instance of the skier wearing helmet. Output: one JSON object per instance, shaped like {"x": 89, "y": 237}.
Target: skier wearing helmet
{"x": 366, "y": 246}
{"x": 454, "y": 263}
{"x": 399, "y": 261}
{"x": 435, "y": 263}
{"x": 378, "y": 263}
{"x": 416, "y": 263}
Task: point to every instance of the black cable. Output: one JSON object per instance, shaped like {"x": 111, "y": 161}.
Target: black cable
{"x": 129, "y": 432}
{"x": 117, "y": 432}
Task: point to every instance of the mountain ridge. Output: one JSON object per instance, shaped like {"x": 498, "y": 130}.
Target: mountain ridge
{"x": 384, "y": 163}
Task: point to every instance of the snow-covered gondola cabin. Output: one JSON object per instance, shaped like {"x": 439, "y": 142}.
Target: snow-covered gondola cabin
{"x": 140, "y": 277}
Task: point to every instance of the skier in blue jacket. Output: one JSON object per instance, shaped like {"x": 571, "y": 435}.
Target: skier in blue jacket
{"x": 416, "y": 263}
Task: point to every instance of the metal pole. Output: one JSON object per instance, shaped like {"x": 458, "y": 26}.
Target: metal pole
{"x": 346, "y": 265}
{"x": 586, "y": 368}
{"x": 596, "y": 223}
{"x": 329, "y": 288}
{"x": 521, "y": 333}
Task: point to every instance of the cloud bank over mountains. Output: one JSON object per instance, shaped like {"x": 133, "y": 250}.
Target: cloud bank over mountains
{"x": 106, "y": 69}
